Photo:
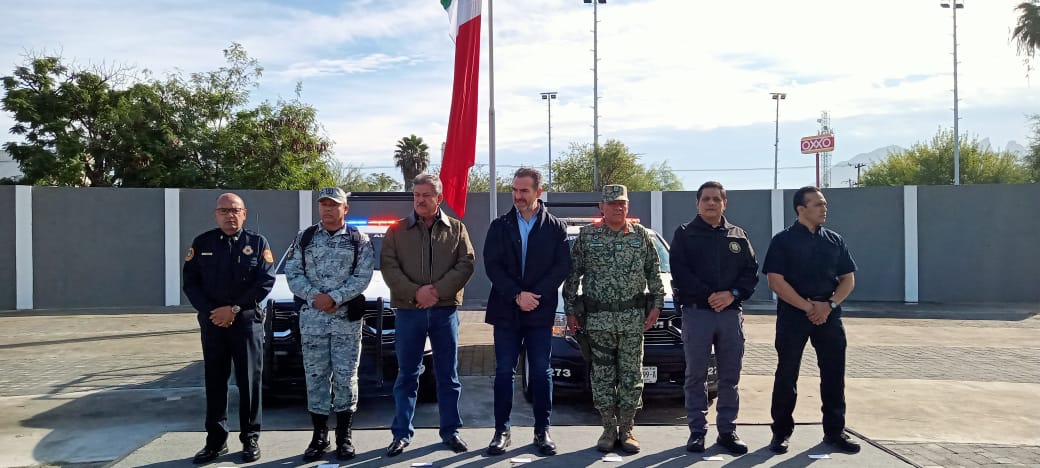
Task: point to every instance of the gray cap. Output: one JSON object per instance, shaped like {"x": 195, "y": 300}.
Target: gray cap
{"x": 334, "y": 193}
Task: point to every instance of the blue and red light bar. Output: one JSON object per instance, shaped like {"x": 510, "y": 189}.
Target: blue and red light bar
{"x": 371, "y": 222}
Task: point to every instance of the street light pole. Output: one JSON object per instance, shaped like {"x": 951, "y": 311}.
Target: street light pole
{"x": 956, "y": 115}
{"x": 595, "y": 92}
{"x": 548, "y": 97}
{"x": 776, "y": 145}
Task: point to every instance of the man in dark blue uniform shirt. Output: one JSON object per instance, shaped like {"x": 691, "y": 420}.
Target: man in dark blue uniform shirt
{"x": 227, "y": 272}
{"x": 713, "y": 270}
{"x": 810, "y": 269}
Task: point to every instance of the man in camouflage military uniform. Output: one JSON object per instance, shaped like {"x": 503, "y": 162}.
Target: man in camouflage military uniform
{"x": 615, "y": 262}
{"x": 321, "y": 275}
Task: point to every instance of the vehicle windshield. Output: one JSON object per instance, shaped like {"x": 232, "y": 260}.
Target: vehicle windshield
{"x": 377, "y": 244}
{"x": 662, "y": 250}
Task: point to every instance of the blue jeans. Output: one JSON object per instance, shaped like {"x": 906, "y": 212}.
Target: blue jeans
{"x": 538, "y": 343}
{"x": 411, "y": 327}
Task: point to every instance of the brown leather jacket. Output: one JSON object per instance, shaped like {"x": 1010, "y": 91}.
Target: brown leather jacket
{"x": 414, "y": 256}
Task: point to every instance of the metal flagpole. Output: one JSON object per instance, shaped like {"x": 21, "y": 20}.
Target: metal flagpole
{"x": 493, "y": 181}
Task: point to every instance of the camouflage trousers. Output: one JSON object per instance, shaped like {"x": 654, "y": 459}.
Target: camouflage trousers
{"x": 617, "y": 369}
{"x": 330, "y": 363}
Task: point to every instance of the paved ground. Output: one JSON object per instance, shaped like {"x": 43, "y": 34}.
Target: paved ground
{"x": 939, "y": 392}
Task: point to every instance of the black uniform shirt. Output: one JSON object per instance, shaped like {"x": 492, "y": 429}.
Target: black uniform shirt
{"x": 222, "y": 270}
{"x": 706, "y": 259}
{"x": 810, "y": 262}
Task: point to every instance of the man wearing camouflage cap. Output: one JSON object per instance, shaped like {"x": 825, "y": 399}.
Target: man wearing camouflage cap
{"x": 329, "y": 264}
{"x": 615, "y": 262}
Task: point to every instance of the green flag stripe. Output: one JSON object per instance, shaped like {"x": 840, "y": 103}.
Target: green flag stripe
{"x": 445, "y": 4}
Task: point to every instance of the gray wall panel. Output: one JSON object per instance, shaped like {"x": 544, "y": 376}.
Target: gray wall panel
{"x": 978, "y": 243}
{"x": 8, "y": 278}
{"x": 273, "y": 213}
{"x": 104, "y": 247}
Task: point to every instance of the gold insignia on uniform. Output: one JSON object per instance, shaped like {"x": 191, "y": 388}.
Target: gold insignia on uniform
{"x": 268, "y": 256}
{"x": 734, "y": 247}
{"x": 191, "y": 254}
{"x": 248, "y": 249}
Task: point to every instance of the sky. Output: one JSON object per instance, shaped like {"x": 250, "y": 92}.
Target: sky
{"x": 682, "y": 82}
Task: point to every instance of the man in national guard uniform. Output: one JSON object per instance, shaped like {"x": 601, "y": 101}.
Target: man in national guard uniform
{"x": 615, "y": 262}
{"x": 227, "y": 272}
{"x": 328, "y": 265}
{"x": 811, "y": 271}
{"x": 713, "y": 269}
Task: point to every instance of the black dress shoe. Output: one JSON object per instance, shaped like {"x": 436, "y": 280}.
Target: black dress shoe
{"x": 545, "y": 444}
{"x": 695, "y": 443}
{"x": 250, "y": 451}
{"x": 207, "y": 454}
{"x": 779, "y": 444}
{"x": 731, "y": 441}
{"x": 842, "y": 442}
{"x": 457, "y": 444}
{"x": 499, "y": 443}
{"x": 396, "y": 447}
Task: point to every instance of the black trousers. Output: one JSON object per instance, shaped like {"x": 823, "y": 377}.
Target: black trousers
{"x": 793, "y": 329}
{"x": 242, "y": 344}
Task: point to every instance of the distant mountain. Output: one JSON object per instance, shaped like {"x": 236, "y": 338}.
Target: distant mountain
{"x": 843, "y": 171}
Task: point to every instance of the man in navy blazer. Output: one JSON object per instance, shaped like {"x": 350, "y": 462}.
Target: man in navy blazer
{"x": 526, "y": 257}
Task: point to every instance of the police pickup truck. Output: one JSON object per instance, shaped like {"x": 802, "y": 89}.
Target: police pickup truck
{"x": 283, "y": 356}
{"x": 664, "y": 363}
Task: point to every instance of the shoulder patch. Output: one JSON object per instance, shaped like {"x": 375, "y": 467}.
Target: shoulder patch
{"x": 734, "y": 246}
{"x": 191, "y": 254}
{"x": 268, "y": 256}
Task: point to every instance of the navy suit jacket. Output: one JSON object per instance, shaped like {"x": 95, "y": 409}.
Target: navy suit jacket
{"x": 548, "y": 264}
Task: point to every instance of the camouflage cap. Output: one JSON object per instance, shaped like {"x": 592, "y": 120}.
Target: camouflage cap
{"x": 615, "y": 192}
{"x": 333, "y": 193}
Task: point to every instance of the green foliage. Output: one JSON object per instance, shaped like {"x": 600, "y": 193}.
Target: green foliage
{"x": 116, "y": 128}
{"x": 932, "y": 164}
{"x": 480, "y": 179}
{"x": 351, "y": 179}
{"x": 413, "y": 157}
{"x": 617, "y": 165}
{"x": 1032, "y": 159}
{"x": 1026, "y": 34}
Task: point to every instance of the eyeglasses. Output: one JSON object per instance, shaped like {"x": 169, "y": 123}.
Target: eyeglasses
{"x": 234, "y": 211}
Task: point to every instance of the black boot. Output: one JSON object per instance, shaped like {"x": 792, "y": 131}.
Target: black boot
{"x": 320, "y": 439}
{"x": 344, "y": 446}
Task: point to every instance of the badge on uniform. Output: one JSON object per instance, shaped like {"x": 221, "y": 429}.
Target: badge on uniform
{"x": 247, "y": 250}
{"x": 734, "y": 247}
{"x": 268, "y": 256}
{"x": 191, "y": 254}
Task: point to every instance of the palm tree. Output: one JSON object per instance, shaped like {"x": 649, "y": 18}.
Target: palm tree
{"x": 1027, "y": 32}
{"x": 413, "y": 157}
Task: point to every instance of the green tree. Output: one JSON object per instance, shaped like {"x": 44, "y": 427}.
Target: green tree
{"x": 480, "y": 180}
{"x": 1032, "y": 159}
{"x": 617, "y": 165}
{"x": 932, "y": 164}
{"x": 1026, "y": 34}
{"x": 413, "y": 157}
{"x": 114, "y": 127}
{"x": 351, "y": 179}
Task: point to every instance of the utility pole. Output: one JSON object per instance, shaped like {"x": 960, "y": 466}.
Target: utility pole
{"x": 858, "y": 167}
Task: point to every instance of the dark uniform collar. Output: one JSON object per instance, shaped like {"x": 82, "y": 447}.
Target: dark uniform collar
{"x": 799, "y": 227}
{"x": 699, "y": 222}
{"x": 235, "y": 237}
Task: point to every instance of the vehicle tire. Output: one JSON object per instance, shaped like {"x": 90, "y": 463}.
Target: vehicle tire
{"x": 525, "y": 377}
{"x": 427, "y": 382}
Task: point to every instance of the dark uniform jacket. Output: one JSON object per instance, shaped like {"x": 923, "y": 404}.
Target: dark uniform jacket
{"x": 548, "y": 264}
{"x": 222, "y": 270}
{"x": 810, "y": 262}
{"x": 706, "y": 259}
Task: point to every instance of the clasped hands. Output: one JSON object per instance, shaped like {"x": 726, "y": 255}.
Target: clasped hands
{"x": 426, "y": 296}
{"x": 819, "y": 312}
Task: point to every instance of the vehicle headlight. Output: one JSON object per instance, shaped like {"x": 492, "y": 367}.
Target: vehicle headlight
{"x": 560, "y": 325}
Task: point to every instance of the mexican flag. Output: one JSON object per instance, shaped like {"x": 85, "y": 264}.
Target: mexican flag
{"x": 461, "y": 144}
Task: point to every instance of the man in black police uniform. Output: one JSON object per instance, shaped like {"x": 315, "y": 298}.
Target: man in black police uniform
{"x": 227, "y": 272}
{"x": 810, "y": 269}
{"x": 713, "y": 270}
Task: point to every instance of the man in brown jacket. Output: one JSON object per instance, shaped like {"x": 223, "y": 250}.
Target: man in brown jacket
{"x": 426, "y": 261}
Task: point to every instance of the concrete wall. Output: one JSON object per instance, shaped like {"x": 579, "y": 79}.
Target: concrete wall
{"x": 97, "y": 247}
{"x": 8, "y": 272}
{"x": 978, "y": 243}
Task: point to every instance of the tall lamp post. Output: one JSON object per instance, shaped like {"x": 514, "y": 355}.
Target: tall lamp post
{"x": 956, "y": 115}
{"x": 548, "y": 98}
{"x": 595, "y": 92}
{"x": 776, "y": 145}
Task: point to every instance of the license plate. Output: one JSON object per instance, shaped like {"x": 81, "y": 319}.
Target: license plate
{"x": 650, "y": 374}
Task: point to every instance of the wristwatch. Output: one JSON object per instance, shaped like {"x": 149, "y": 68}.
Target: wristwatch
{"x": 235, "y": 309}
{"x": 735, "y": 292}
{"x": 834, "y": 305}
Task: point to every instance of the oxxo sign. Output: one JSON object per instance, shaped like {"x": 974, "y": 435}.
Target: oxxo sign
{"x": 818, "y": 144}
